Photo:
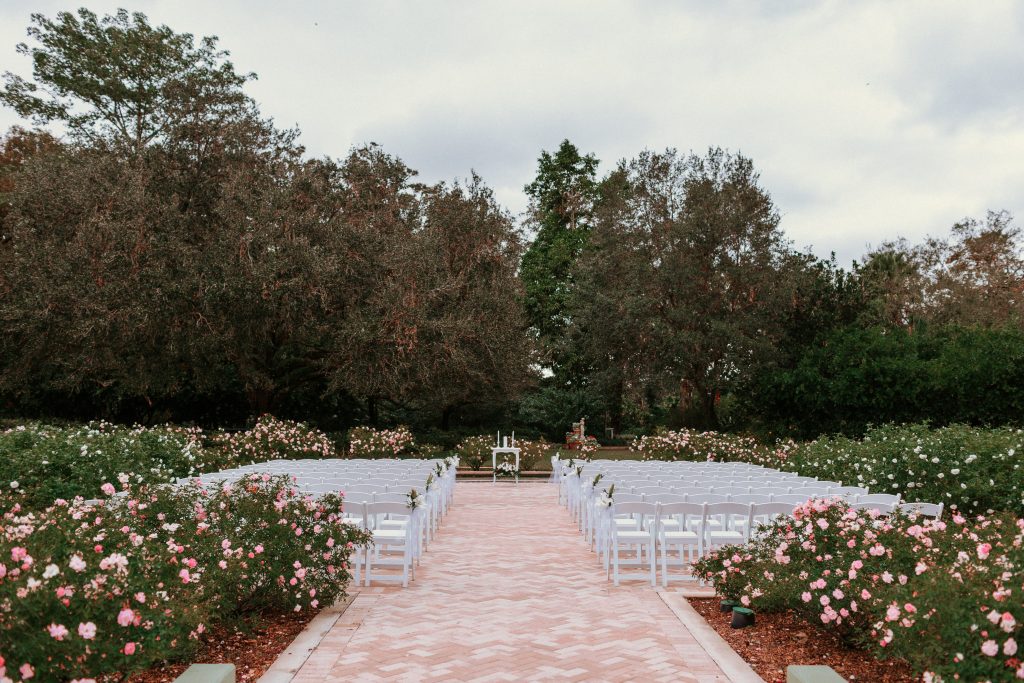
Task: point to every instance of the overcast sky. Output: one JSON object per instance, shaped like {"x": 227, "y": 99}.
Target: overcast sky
{"x": 867, "y": 120}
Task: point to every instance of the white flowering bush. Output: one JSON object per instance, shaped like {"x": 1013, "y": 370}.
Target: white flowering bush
{"x": 92, "y": 590}
{"x": 944, "y": 596}
{"x": 367, "y": 442}
{"x": 971, "y": 469}
{"x": 39, "y": 463}
{"x": 475, "y": 450}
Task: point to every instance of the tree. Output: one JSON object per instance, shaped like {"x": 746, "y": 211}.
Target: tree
{"x": 975, "y": 277}
{"x": 684, "y": 279}
{"x": 426, "y": 309}
{"x": 561, "y": 203}
{"x": 119, "y": 81}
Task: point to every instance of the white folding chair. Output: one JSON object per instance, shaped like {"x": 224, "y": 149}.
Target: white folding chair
{"x": 733, "y": 524}
{"x": 403, "y": 540}
{"x": 642, "y": 539}
{"x": 890, "y": 499}
{"x": 682, "y": 539}
{"x": 766, "y": 513}
{"x": 933, "y": 510}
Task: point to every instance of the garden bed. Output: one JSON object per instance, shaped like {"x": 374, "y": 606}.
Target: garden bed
{"x": 779, "y": 640}
{"x": 251, "y": 648}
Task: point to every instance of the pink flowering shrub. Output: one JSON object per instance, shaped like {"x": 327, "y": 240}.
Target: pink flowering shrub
{"x": 944, "y": 596}
{"x": 272, "y": 439}
{"x": 367, "y": 442}
{"x": 91, "y": 590}
{"x": 692, "y": 445}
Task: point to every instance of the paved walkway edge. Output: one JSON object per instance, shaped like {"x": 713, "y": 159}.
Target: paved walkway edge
{"x": 289, "y": 662}
{"x": 731, "y": 664}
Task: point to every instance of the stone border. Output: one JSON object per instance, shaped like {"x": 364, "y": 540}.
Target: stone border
{"x": 289, "y": 662}
{"x": 732, "y": 665}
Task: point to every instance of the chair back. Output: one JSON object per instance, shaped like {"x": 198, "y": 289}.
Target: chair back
{"x": 883, "y": 508}
{"x": 750, "y": 498}
{"x": 706, "y": 498}
{"x": 925, "y": 509}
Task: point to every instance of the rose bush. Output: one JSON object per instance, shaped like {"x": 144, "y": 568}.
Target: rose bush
{"x": 272, "y": 439}
{"x": 944, "y": 596}
{"x": 90, "y": 590}
{"x": 367, "y": 442}
{"x": 691, "y": 445}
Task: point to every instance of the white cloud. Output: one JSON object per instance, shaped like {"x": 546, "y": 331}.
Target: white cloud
{"x": 867, "y": 120}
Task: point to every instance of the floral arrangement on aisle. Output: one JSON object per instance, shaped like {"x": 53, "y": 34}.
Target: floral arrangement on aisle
{"x": 606, "y": 499}
{"x": 415, "y": 499}
{"x": 943, "y": 595}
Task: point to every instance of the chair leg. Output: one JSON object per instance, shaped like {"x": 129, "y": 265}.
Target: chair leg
{"x": 615, "y": 561}
{"x": 664, "y": 564}
{"x": 650, "y": 562}
{"x": 405, "y": 566}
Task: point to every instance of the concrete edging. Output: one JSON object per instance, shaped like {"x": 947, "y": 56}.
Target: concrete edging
{"x": 727, "y": 659}
{"x": 289, "y": 662}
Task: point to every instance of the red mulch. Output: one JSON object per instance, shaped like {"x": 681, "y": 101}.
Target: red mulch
{"x": 777, "y": 640}
{"x": 251, "y": 650}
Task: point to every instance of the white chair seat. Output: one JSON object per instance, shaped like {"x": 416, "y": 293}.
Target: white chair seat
{"x": 677, "y": 536}
{"x": 717, "y": 537}
{"x": 389, "y": 535}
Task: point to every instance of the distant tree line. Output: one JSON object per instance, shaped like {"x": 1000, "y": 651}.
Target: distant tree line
{"x": 666, "y": 294}
{"x": 167, "y": 253}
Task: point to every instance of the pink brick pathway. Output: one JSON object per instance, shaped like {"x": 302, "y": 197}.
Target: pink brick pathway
{"x": 509, "y": 592}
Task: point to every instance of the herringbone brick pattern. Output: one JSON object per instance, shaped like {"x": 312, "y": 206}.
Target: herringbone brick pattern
{"x": 509, "y": 592}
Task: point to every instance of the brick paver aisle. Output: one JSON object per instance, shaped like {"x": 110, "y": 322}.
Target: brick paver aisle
{"x": 509, "y": 592}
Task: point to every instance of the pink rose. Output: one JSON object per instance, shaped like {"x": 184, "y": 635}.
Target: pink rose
{"x": 125, "y": 617}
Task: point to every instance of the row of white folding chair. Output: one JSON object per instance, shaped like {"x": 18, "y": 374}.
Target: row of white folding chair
{"x": 848, "y": 492}
{"x": 405, "y": 538}
{"x": 730, "y": 527}
{"x": 654, "y": 531}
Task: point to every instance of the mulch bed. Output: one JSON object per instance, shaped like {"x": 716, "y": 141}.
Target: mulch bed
{"x": 252, "y": 649}
{"x": 778, "y": 640}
